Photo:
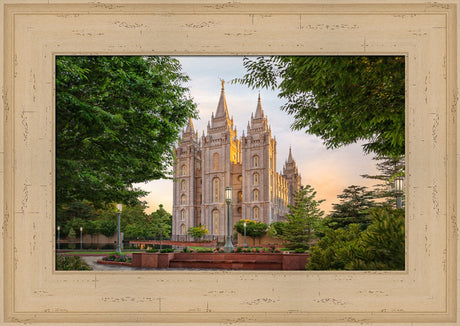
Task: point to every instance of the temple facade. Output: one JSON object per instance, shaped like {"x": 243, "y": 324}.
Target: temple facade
{"x": 206, "y": 166}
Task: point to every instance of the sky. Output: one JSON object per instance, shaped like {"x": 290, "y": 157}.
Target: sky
{"x": 328, "y": 171}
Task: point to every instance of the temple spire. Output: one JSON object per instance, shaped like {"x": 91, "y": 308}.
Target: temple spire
{"x": 190, "y": 127}
{"x": 222, "y": 110}
{"x": 259, "y": 111}
{"x": 290, "y": 159}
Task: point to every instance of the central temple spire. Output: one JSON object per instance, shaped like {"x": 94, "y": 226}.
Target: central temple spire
{"x": 222, "y": 110}
{"x": 259, "y": 111}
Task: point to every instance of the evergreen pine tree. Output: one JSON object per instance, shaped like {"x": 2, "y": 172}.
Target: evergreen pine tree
{"x": 304, "y": 218}
{"x": 389, "y": 167}
{"x": 355, "y": 202}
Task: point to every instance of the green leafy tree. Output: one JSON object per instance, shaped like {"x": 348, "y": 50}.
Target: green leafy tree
{"x": 303, "y": 219}
{"x": 198, "y": 232}
{"x": 117, "y": 119}
{"x": 276, "y": 229}
{"x": 355, "y": 202}
{"x": 108, "y": 227}
{"x": 254, "y": 229}
{"x": 162, "y": 223}
{"x": 341, "y": 99}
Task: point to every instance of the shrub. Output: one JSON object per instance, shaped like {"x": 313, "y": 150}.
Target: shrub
{"x": 152, "y": 250}
{"x": 379, "y": 247}
{"x": 197, "y": 231}
{"x": 71, "y": 263}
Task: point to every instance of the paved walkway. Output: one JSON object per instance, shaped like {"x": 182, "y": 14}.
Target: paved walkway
{"x": 92, "y": 261}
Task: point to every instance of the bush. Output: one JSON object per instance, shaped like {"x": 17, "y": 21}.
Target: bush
{"x": 71, "y": 263}
{"x": 152, "y": 250}
{"x": 197, "y": 231}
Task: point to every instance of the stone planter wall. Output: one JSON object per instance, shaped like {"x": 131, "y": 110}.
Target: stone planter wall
{"x": 237, "y": 261}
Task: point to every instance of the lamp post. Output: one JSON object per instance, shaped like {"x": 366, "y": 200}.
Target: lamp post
{"x": 399, "y": 190}
{"x": 119, "y": 208}
{"x": 59, "y": 235}
{"x": 244, "y": 224}
{"x": 228, "y": 242}
{"x": 81, "y": 237}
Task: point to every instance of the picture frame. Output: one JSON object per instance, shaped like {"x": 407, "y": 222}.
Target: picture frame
{"x": 35, "y": 31}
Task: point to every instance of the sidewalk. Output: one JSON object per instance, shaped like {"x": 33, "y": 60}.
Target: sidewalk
{"x": 92, "y": 261}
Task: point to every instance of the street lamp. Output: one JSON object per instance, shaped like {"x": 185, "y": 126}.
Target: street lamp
{"x": 244, "y": 224}
{"x": 119, "y": 208}
{"x": 399, "y": 190}
{"x": 81, "y": 237}
{"x": 228, "y": 242}
{"x": 59, "y": 235}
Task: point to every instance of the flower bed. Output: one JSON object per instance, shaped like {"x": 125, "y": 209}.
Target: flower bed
{"x": 118, "y": 257}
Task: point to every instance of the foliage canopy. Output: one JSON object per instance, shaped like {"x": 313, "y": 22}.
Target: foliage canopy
{"x": 116, "y": 122}
{"x": 341, "y": 99}
{"x": 254, "y": 229}
{"x": 380, "y": 247}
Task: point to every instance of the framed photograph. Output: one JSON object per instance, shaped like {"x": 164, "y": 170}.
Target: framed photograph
{"x": 35, "y": 32}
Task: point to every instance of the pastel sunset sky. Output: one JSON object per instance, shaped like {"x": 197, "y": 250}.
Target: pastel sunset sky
{"x": 328, "y": 171}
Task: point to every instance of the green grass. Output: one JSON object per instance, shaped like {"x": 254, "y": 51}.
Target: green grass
{"x": 101, "y": 252}
{"x": 200, "y": 248}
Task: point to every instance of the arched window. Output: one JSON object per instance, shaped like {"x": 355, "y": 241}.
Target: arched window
{"x": 255, "y": 161}
{"x": 255, "y": 195}
{"x": 215, "y": 218}
{"x": 240, "y": 210}
{"x": 215, "y": 162}
{"x": 256, "y": 178}
{"x": 184, "y": 169}
{"x": 182, "y": 185}
{"x": 215, "y": 190}
{"x": 240, "y": 196}
{"x": 255, "y": 211}
{"x": 182, "y": 215}
{"x": 182, "y": 228}
{"x": 183, "y": 199}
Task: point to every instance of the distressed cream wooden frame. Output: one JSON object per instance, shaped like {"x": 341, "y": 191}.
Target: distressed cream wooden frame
{"x": 34, "y": 31}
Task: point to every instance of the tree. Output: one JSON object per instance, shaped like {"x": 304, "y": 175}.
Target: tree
{"x": 117, "y": 119}
{"x": 254, "y": 229}
{"x": 198, "y": 231}
{"x": 334, "y": 250}
{"x": 355, "y": 202}
{"x": 162, "y": 223}
{"x": 341, "y": 99}
{"x": 389, "y": 168}
{"x": 108, "y": 227}
{"x": 380, "y": 247}
{"x": 276, "y": 229}
{"x": 303, "y": 219}
{"x": 383, "y": 243}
